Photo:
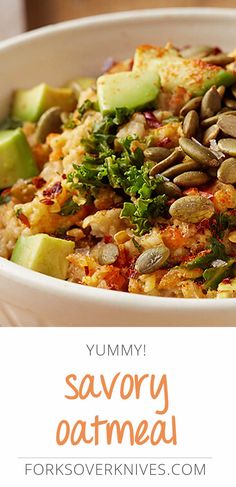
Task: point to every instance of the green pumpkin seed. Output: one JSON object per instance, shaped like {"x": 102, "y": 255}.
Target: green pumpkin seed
{"x": 170, "y": 189}
{"x": 210, "y": 134}
{"x": 176, "y": 156}
{"x": 227, "y": 171}
{"x": 192, "y": 209}
{"x": 228, "y": 146}
{"x": 209, "y": 121}
{"x": 227, "y": 123}
{"x": 50, "y": 121}
{"x": 213, "y": 120}
{"x": 233, "y": 89}
{"x": 156, "y": 154}
{"x": 180, "y": 169}
{"x": 191, "y": 124}
{"x": 152, "y": 259}
{"x": 108, "y": 254}
{"x": 192, "y": 178}
{"x": 220, "y": 59}
{"x": 196, "y": 51}
{"x": 198, "y": 152}
{"x": 211, "y": 103}
{"x": 192, "y": 104}
{"x": 230, "y": 103}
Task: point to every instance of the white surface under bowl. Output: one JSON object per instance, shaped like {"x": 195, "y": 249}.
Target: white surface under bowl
{"x": 55, "y": 54}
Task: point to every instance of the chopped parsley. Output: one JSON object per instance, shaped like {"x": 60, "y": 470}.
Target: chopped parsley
{"x": 87, "y": 105}
{"x": 69, "y": 208}
{"x": 217, "y": 252}
{"x": 223, "y": 222}
{"x": 215, "y": 275}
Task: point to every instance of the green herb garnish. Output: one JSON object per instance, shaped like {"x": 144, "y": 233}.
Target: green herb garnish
{"x": 69, "y": 208}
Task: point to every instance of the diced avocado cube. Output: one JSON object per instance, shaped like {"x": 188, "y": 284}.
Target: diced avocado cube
{"x": 16, "y": 159}
{"x": 44, "y": 254}
{"x": 133, "y": 90}
{"x": 30, "y": 104}
{"x": 195, "y": 75}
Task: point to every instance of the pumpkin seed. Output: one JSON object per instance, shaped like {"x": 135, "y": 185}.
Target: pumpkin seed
{"x": 50, "y": 121}
{"x": 212, "y": 120}
{"x": 156, "y": 154}
{"x": 228, "y": 146}
{"x": 230, "y": 103}
{"x": 192, "y": 104}
{"x": 196, "y": 51}
{"x": 221, "y": 90}
{"x": 210, "y": 134}
{"x": 220, "y": 59}
{"x": 180, "y": 169}
{"x": 192, "y": 178}
{"x": 152, "y": 259}
{"x": 227, "y": 123}
{"x": 232, "y": 236}
{"x": 227, "y": 171}
{"x": 176, "y": 156}
{"x": 170, "y": 189}
{"x": 191, "y": 124}
{"x": 209, "y": 121}
{"x": 198, "y": 152}
{"x": 192, "y": 209}
{"x": 233, "y": 89}
{"x": 211, "y": 103}
{"x": 108, "y": 254}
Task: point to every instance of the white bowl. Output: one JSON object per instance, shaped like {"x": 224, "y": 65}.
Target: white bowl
{"x": 55, "y": 54}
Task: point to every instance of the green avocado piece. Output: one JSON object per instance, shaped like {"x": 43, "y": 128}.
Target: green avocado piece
{"x": 44, "y": 254}
{"x": 16, "y": 159}
{"x": 132, "y": 89}
{"x": 28, "y": 105}
{"x": 195, "y": 75}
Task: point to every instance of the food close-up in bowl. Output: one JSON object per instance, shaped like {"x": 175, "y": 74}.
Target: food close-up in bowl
{"x": 127, "y": 181}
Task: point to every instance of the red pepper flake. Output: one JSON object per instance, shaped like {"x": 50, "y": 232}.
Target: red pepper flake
{"x": 63, "y": 176}
{"x": 206, "y": 194}
{"x": 227, "y": 280}
{"x": 170, "y": 202}
{"x": 151, "y": 120}
{"x": 53, "y": 191}
{"x": 164, "y": 142}
{"x": 6, "y": 192}
{"x": 108, "y": 239}
{"x": 203, "y": 225}
{"x": 216, "y": 50}
{"x": 38, "y": 182}
{"x": 23, "y": 218}
{"x": 86, "y": 270}
{"x": 47, "y": 201}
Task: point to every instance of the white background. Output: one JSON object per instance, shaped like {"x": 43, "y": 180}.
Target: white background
{"x": 200, "y": 366}
{"x": 12, "y": 18}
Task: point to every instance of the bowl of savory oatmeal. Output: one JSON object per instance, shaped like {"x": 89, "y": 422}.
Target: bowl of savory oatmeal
{"x": 118, "y": 172}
